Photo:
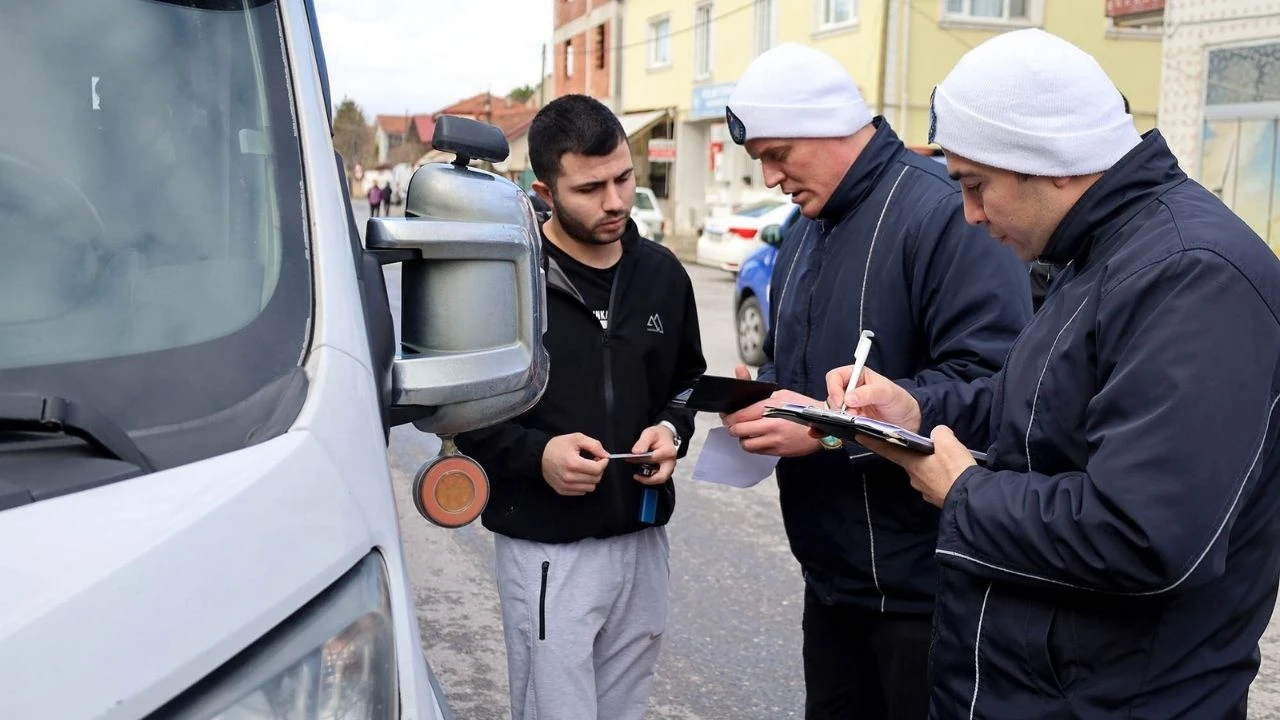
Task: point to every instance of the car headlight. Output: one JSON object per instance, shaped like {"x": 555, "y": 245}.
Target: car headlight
{"x": 332, "y": 660}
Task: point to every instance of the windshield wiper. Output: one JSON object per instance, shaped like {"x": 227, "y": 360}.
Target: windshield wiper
{"x": 24, "y": 412}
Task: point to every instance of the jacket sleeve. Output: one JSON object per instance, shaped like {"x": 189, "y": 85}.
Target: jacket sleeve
{"x": 1187, "y": 355}
{"x": 970, "y": 299}
{"x": 506, "y": 451}
{"x": 767, "y": 372}
{"x": 690, "y": 365}
{"x": 963, "y": 407}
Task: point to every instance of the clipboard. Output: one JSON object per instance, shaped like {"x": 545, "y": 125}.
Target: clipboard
{"x": 717, "y": 394}
{"x": 849, "y": 427}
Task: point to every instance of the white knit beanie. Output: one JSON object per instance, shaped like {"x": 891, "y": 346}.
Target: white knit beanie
{"x": 1030, "y": 102}
{"x": 794, "y": 91}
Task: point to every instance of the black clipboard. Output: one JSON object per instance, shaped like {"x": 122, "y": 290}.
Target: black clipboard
{"x": 713, "y": 393}
{"x": 849, "y": 427}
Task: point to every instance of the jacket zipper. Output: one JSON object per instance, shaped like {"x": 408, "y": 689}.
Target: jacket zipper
{"x": 608, "y": 361}
{"x": 542, "y": 602}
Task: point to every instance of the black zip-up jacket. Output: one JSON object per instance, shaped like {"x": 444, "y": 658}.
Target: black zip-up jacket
{"x": 1119, "y": 555}
{"x": 609, "y": 385}
{"x": 891, "y": 253}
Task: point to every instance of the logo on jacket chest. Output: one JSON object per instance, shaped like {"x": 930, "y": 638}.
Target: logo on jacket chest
{"x": 655, "y": 324}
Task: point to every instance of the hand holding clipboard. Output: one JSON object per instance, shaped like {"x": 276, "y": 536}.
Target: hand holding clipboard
{"x": 840, "y": 424}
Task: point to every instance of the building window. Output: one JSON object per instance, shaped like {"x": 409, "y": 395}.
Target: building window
{"x": 599, "y": 49}
{"x": 1240, "y": 155}
{"x": 836, "y": 13}
{"x": 987, "y": 10}
{"x": 764, "y": 25}
{"x": 702, "y": 41}
{"x": 568, "y": 58}
{"x": 660, "y": 42}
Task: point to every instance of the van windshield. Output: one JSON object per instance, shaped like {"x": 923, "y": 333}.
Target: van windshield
{"x": 153, "y": 256}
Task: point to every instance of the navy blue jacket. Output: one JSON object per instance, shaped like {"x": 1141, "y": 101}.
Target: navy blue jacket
{"x": 1120, "y": 557}
{"x": 891, "y": 252}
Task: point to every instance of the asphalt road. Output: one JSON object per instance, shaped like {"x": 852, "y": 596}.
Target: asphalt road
{"x": 732, "y": 649}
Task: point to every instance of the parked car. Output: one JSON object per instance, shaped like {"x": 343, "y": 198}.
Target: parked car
{"x": 726, "y": 241}
{"x": 648, "y": 215}
{"x": 751, "y": 292}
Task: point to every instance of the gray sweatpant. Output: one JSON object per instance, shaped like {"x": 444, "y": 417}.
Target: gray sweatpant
{"x": 583, "y": 623}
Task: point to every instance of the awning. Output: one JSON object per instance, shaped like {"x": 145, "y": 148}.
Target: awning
{"x": 634, "y": 124}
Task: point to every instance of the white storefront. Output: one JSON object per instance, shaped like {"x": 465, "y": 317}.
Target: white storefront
{"x": 1220, "y": 102}
{"x": 712, "y": 174}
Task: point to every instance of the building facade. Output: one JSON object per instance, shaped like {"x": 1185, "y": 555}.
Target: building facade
{"x": 683, "y": 56}
{"x": 1220, "y": 102}
{"x": 583, "y": 50}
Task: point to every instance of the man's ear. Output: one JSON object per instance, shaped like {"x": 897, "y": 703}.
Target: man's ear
{"x": 544, "y": 192}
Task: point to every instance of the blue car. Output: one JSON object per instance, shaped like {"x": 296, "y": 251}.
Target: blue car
{"x": 751, "y": 293}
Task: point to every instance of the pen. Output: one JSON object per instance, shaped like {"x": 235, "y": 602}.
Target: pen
{"x": 859, "y": 360}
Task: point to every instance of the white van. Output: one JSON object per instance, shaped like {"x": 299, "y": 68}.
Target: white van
{"x": 198, "y": 369}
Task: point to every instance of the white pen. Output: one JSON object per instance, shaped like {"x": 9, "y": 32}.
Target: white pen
{"x": 859, "y": 361}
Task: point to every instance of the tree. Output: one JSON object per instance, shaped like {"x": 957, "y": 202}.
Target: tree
{"x": 522, "y": 93}
{"x": 353, "y": 136}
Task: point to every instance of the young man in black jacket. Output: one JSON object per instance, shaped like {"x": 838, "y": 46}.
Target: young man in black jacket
{"x": 883, "y": 246}
{"x": 580, "y": 539}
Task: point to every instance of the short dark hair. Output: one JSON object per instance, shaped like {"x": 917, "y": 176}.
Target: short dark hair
{"x": 571, "y": 124}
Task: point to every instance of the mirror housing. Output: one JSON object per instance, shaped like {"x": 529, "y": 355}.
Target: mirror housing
{"x": 771, "y": 235}
{"x": 473, "y": 291}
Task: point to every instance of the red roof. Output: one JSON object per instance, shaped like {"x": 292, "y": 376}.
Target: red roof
{"x": 392, "y": 123}
{"x": 474, "y": 106}
{"x": 425, "y": 126}
{"x": 516, "y": 122}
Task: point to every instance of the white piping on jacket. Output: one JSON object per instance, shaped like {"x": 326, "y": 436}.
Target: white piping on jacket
{"x": 1035, "y": 398}
{"x": 782, "y": 299}
{"x": 977, "y": 649}
{"x": 871, "y": 535}
{"x": 1173, "y": 585}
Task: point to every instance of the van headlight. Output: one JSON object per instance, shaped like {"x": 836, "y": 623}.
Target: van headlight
{"x": 332, "y": 660}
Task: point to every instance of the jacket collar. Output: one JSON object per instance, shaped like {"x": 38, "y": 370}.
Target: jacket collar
{"x": 881, "y": 151}
{"x": 1142, "y": 175}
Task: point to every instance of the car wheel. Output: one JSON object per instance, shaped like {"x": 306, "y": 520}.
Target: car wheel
{"x": 751, "y": 332}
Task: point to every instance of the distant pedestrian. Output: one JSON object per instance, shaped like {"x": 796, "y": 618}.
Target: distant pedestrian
{"x": 386, "y": 198}
{"x": 375, "y": 199}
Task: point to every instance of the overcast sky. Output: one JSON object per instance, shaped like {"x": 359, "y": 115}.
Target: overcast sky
{"x": 421, "y": 55}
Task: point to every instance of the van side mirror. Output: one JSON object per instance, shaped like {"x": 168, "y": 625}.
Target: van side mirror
{"x": 771, "y": 235}
{"x": 473, "y": 292}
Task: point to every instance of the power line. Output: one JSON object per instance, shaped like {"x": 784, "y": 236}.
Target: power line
{"x": 588, "y": 52}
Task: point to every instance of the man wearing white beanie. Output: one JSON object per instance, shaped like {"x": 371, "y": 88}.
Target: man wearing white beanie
{"x": 1117, "y": 555}
{"x": 883, "y": 247}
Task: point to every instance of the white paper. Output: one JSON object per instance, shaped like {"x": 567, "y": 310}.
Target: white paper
{"x": 723, "y": 461}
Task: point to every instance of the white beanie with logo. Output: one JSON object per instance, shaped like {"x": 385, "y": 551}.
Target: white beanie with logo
{"x": 794, "y": 91}
{"x": 1030, "y": 102}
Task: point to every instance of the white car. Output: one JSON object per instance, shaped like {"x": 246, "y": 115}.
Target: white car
{"x": 726, "y": 241}
{"x": 648, "y": 214}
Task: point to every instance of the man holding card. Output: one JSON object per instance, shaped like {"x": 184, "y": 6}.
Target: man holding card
{"x": 1117, "y": 555}
{"x": 883, "y": 246}
{"x": 579, "y": 527}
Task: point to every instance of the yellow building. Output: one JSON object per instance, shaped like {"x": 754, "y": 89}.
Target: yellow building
{"x": 683, "y": 56}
